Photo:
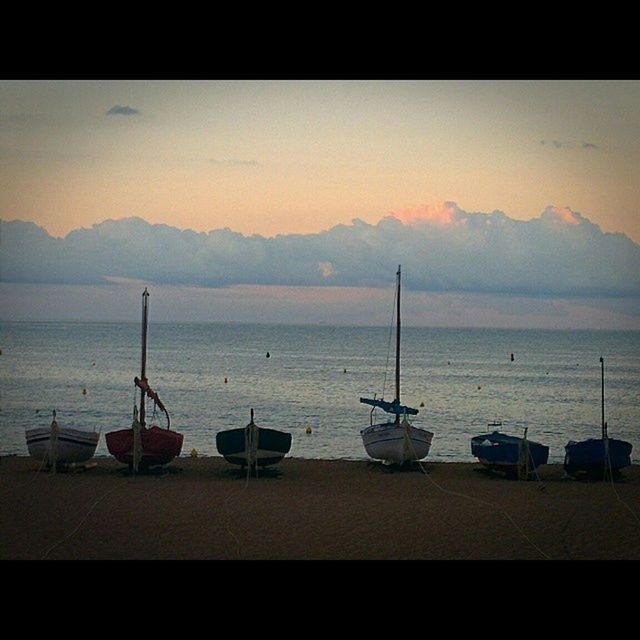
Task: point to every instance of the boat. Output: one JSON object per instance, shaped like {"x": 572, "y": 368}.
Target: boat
{"x": 253, "y": 446}
{"x": 61, "y": 446}
{"x": 600, "y": 458}
{"x": 395, "y": 441}
{"x": 511, "y": 455}
{"x": 143, "y": 447}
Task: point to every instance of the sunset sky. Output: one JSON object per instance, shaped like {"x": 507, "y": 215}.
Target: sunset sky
{"x": 274, "y": 157}
{"x": 300, "y": 157}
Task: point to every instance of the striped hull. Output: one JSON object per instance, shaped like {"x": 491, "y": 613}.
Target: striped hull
{"x": 74, "y": 445}
{"x": 392, "y": 442}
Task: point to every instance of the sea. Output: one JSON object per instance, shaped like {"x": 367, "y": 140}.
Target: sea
{"x": 308, "y": 380}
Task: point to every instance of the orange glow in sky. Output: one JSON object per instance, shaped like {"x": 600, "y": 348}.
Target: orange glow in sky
{"x": 279, "y": 157}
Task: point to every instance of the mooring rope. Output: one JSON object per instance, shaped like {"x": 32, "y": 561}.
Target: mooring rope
{"x": 82, "y": 521}
{"x": 613, "y": 486}
{"x": 480, "y": 501}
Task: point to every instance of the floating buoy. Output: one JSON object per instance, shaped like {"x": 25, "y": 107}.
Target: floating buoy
{"x": 194, "y": 453}
{"x": 448, "y": 361}
{"x": 268, "y": 355}
{"x": 225, "y": 381}
{"x": 344, "y": 370}
{"x": 479, "y": 387}
{"x": 84, "y": 392}
{"x": 308, "y": 429}
{"x": 422, "y": 404}
{"x": 512, "y": 357}
{"x": 93, "y": 364}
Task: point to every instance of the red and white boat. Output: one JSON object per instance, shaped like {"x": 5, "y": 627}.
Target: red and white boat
{"x": 142, "y": 447}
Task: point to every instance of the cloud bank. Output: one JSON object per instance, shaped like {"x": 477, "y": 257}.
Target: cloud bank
{"x": 441, "y": 249}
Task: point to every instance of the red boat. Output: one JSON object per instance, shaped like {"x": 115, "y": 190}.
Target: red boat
{"x": 159, "y": 446}
{"x": 142, "y": 447}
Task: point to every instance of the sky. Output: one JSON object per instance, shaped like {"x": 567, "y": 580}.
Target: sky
{"x": 299, "y": 158}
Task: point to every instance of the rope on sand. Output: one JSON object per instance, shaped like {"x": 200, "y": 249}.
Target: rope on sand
{"x": 613, "y": 486}
{"x": 77, "y": 527}
{"x": 484, "y": 502}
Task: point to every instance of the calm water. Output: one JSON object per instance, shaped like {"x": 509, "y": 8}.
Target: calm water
{"x": 465, "y": 378}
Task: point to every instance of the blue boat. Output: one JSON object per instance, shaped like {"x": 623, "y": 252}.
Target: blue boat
{"x": 511, "y": 455}
{"x": 597, "y": 458}
{"x": 253, "y": 446}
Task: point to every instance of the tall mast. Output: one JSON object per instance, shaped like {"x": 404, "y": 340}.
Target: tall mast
{"x": 143, "y": 364}
{"x": 397, "y": 399}
{"x": 604, "y": 428}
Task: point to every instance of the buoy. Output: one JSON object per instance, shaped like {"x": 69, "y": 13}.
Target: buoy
{"x": 422, "y": 404}
{"x": 225, "y": 381}
{"x": 512, "y": 358}
{"x": 309, "y": 429}
{"x": 194, "y": 453}
{"x": 268, "y": 355}
{"x": 479, "y": 387}
{"x": 344, "y": 371}
{"x": 84, "y": 392}
{"x": 93, "y": 364}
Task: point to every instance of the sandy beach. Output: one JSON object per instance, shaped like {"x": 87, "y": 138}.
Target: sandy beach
{"x": 313, "y": 510}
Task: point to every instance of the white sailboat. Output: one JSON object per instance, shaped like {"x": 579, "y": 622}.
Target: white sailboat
{"x": 395, "y": 441}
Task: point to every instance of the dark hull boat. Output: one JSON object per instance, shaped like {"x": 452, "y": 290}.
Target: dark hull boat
{"x": 253, "y": 446}
{"x": 599, "y": 458}
{"x": 510, "y": 455}
{"x": 142, "y": 447}
{"x": 589, "y": 456}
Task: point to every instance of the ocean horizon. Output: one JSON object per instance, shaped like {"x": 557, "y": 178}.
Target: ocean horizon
{"x": 209, "y": 375}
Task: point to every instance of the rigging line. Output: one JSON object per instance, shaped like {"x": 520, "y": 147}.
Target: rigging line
{"x": 386, "y": 364}
{"x": 480, "y": 501}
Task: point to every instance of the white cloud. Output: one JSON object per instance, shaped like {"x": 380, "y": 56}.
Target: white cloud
{"x": 441, "y": 248}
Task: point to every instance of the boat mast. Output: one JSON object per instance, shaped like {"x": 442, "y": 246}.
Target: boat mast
{"x": 143, "y": 364}
{"x": 604, "y": 426}
{"x": 397, "y": 398}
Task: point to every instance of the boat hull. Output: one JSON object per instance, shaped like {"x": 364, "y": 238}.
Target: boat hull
{"x": 501, "y": 452}
{"x": 396, "y": 443}
{"x": 159, "y": 446}
{"x": 272, "y": 446}
{"x": 74, "y": 445}
{"x": 588, "y": 456}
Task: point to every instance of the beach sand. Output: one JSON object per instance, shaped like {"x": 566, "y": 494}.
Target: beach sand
{"x": 313, "y": 509}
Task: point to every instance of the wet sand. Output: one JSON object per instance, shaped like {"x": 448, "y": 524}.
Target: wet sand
{"x": 313, "y": 510}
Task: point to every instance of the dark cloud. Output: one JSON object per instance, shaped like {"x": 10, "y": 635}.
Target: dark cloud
{"x": 589, "y": 145}
{"x": 118, "y": 110}
{"x": 234, "y": 162}
{"x": 558, "y": 253}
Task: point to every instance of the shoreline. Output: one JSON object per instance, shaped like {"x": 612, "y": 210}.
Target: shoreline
{"x": 311, "y": 509}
